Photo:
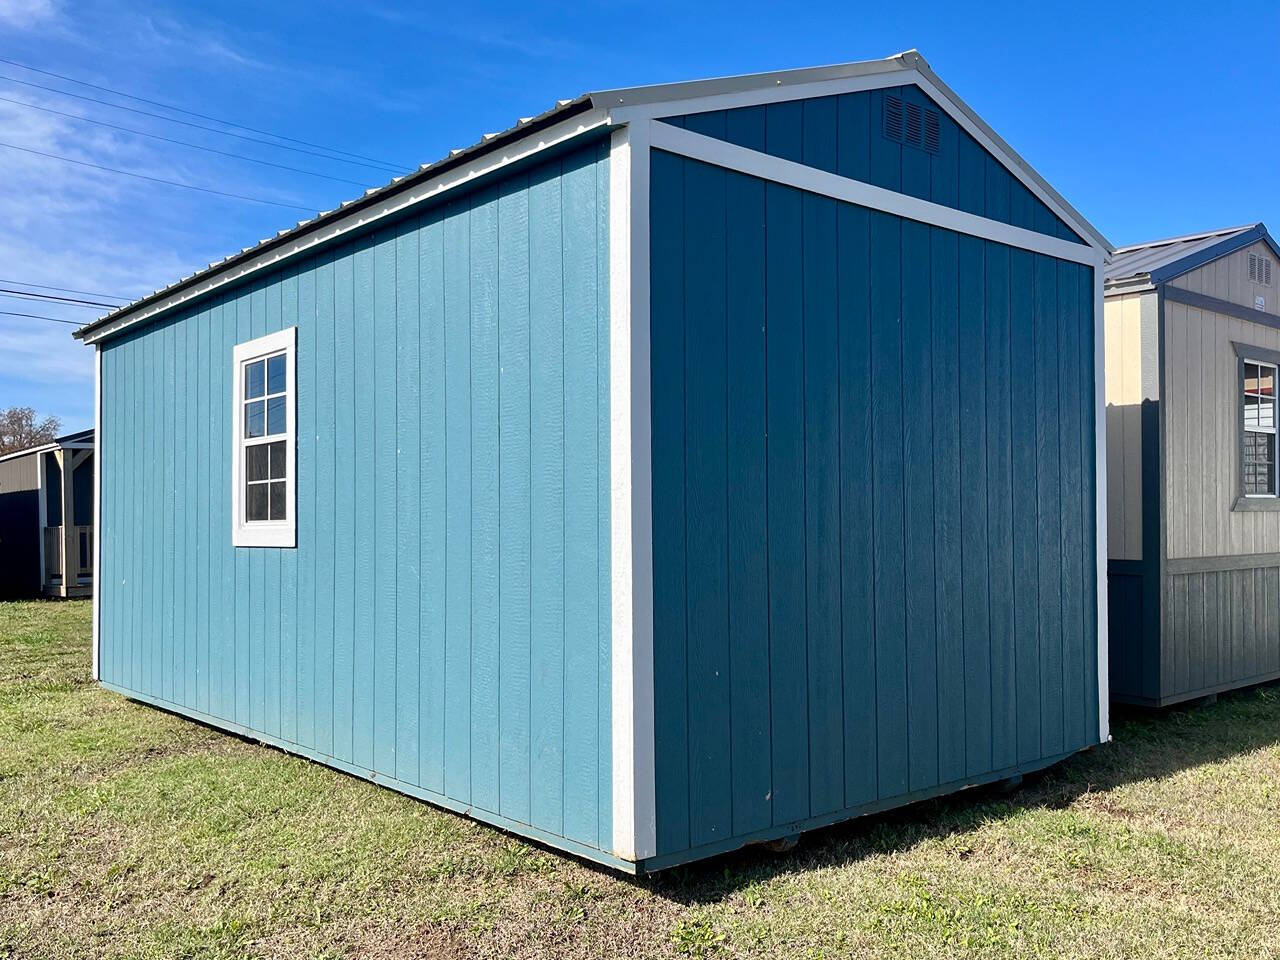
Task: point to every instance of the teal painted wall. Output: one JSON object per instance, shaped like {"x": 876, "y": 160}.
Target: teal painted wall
{"x": 444, "y": 620}
{"x": 873, "y": 498}
{"x": 843, "y": 134}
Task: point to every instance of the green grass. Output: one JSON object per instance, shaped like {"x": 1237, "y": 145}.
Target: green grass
{"x": 128, "y": 832}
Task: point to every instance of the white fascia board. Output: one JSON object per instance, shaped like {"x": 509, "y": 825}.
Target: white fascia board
{"x": 307, "y": 240}
{"x": 730, "y": 156}
{"x": 909, "y": 69}
{"x": 1100, "y": 505}
{"x": 97, "y": 511}
{"x": 630, "y": 467}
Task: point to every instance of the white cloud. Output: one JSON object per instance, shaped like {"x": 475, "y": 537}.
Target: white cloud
{"x": 25, "y": 14}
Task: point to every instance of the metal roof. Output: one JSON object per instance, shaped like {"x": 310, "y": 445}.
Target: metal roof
{"x": 668, "y": 93}
{"x": 1160, "y": 260}
{"x": 81, "y": 438}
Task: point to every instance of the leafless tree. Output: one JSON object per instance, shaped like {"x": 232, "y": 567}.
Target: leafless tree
{"x": 19, "y": 429}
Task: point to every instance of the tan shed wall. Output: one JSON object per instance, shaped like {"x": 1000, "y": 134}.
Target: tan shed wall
{"x": 1131, "y": 376}
{"x": 1201, "y": 442}
{"x": 20, "y": 473}
{"x": 1227, "y": 278}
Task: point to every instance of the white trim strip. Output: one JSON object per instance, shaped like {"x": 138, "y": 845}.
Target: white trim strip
{"x": 754, "y": 163}
{"x": 308, "y": 240}
{"x": 97, "y": 509}
{"x": 634, "y": 823}
{"x": 1100, "y": 508}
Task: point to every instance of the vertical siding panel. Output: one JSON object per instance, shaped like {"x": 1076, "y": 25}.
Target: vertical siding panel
{"x": 1069, "y": 523}
{"x": 409, "y": 499}
{"x": 433, "y": 547}
{"x": 166, "y": 451}
{"x": 1048, "y": 497}
{"x": 887, "y": 497}
{"x": 857, "y": 519}
{"x": 484, "y": 500}
{"x": 784, "y": 130}
{"x": 1000, "y": 494}
{"x": 220, "y": 493}
{"x": 344, "y": 548}
{"x": 309, "y": 464}
{"x": 943, "y": 404}
{"x": 328, "y": 428}
{"x": 546, "y": 502}
{"x": 745, "y": 127}
{"x": 853, "y": 137}
{"x": 141, "y": 535}
{"x": 998, "y": 200}
{"x": 604, "y": 549}
{"x": 784, "y": 399}
{"x": 972, "y": 253}
{"x": 457, "y": 373}
{"x": 514, "y": 477}
{"x": 919, "y": 503}
{"x": 381, "y": 718}
{"x": 366, "y": 477}
{"x": 971, "y": 191}
{"x": 183, "y": 501}
{"x": 820, "y": 123}
{"x": 202, "y": 535}
{"x": 1026, "y": 601}
{"x": 244, "y": 594}
{"x": 748, "y": 519}
{"x": 581, "y": 788}
{"x": 288, "y": 681}
{"x": 822, "y": 477}
{"x": 667, "y": 333}
{"x": 710, "y": 776}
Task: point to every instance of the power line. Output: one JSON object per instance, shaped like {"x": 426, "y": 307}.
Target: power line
{"x": 171, "y": 183}
{"x": 54, "y": 298}
{"x": 191, "y": 113}
{"x": 377, "y": 165}
{"x": 182, "y": 143}
{"x": 36, "y": 316}
{"x": 87, "y": 293}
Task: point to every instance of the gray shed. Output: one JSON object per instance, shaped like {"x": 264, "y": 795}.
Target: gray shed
{"x": 1192, "y": 353}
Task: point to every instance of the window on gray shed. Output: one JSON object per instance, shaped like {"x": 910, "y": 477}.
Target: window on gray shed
{"x": 1258, "y": 439}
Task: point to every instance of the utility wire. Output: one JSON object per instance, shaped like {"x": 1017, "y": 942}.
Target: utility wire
{"x": 36, "y": 316}
{"x": 171, "y": 183}
{"x": 87, "y": 293}
{"x": 192, "y": 113}
{"x": 377, "y": 165}
{"x": 182, "y": 143}
{"x": 54, "y": 298}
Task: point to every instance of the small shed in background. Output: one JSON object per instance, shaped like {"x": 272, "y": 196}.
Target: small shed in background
{"x": 1193, "y": 344}
{"x": 40, "y": 554}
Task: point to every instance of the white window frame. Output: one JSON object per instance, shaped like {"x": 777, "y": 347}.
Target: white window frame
{"x": 264, "y": 533}
{"x": 1244, "y": 424}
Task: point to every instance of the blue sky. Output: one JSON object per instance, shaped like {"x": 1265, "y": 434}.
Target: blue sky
{"x": 1160, "y": 121}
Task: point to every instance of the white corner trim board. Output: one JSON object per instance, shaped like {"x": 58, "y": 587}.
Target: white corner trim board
{"x": 482, "y": 166}
{"x": 720, "y": 153}
{"x": 634, "y": 821}
{"x": 1100, "y": 505}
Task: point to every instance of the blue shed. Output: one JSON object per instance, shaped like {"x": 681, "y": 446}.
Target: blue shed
{"x": 685, "y": 467}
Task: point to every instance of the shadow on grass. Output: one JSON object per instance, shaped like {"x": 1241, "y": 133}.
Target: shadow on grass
{"x": 1147, "y": 745}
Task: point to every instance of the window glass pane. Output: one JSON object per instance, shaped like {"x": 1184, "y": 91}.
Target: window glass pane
{"x": 277, "y": 459}
{"x": 254, "y": 414}
{"x": 1259, "y": 465}
{"x": 1250, "y": 411}
{"x": 275, "y": 374}
{"x": 255, "y": 462}
{"x": 275, "y": 416}
{"x": 1267, "y": 381}
{"x": 253, "y": 380}
{"x": 255, "y": 501}
{"x": 277, "y": 500}
{"x": 1266, "y": 412}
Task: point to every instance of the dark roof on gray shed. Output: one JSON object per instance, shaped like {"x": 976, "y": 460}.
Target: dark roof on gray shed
{"x": 1161, "y": 260}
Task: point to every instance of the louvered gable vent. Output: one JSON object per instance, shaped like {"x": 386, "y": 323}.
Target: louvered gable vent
{"x": 1260, "y": 269}
{"x": 911, "y": 124}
